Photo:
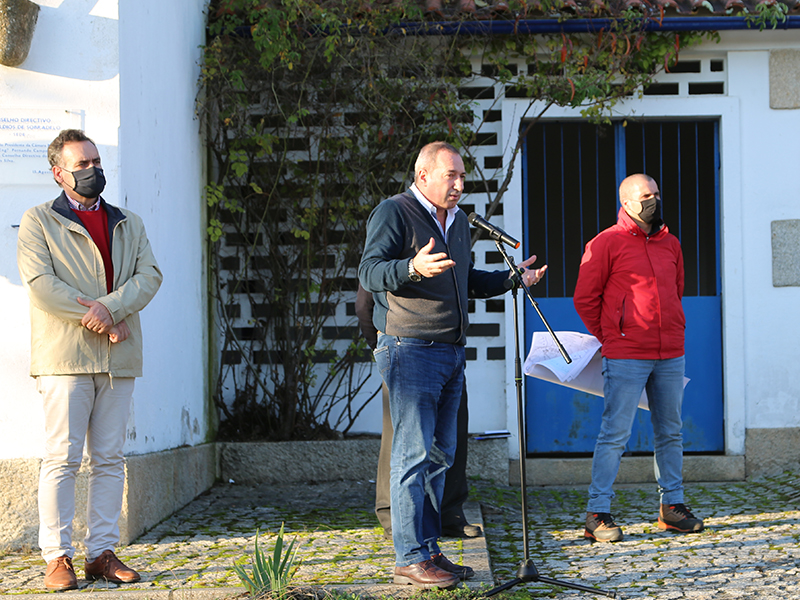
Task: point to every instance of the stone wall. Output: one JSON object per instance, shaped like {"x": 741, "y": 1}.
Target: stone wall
{"x": 292, "y": 462}
{"x": 633, "y": 469}
{"x": 156, "y": 485}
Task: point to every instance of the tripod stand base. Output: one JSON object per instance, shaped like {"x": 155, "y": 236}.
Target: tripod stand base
{"x": 528, "y": 572}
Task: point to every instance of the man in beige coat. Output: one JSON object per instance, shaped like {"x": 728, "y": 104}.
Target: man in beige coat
{"x": 88, "y": 269}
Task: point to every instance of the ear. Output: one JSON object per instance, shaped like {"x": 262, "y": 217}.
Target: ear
{"x": 422, "y": 176}
{"x": 57, "y": 174}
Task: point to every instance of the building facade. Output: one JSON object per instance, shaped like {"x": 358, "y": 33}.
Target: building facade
{"x": 729, "y": 118}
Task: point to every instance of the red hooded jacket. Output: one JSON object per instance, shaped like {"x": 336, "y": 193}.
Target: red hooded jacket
{"x": 629, "y": 291}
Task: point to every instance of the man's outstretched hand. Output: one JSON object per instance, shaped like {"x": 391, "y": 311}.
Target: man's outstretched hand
{"x": 531, "y": 276}
{"x": 431, "y": 265}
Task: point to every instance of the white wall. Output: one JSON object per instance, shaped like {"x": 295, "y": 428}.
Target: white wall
{"x": 162, "y": 177}
{"x": 769, "y": 324}
{"x": 132, "y": 85}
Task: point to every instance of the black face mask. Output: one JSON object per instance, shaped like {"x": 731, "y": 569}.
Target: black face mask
{"x": 90, "y": 182}
{"x": 651, "y": 214}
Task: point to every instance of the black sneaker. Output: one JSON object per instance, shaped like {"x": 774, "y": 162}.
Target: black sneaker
{"x": 679, "y": 517}
{"x": 600, "y": 527}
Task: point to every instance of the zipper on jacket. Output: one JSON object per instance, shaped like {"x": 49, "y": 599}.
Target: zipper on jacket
{"x": 461, "y": 328}
{"x": 622, "y": 319}
{"x": 108, "y": 347}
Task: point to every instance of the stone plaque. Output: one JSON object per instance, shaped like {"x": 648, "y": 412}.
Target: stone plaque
{"x": 25, "y": 135}
{"x": 786, "y": 253}
{"x": 784, "y": 78}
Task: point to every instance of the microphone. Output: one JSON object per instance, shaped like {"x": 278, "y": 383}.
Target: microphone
{"x": 494, "y": 232}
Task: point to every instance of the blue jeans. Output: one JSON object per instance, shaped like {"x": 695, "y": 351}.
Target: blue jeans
{"x": 624, "y": 380}
{"x": 425, "y": 381}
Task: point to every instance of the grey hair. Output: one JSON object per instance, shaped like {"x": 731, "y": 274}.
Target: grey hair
{"x": 427, "y": 156}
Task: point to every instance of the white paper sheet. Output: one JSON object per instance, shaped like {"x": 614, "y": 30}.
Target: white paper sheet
{"x": 544, "y": 361}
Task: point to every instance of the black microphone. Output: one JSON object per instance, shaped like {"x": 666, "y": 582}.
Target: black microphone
{"x": 494, "y": 232}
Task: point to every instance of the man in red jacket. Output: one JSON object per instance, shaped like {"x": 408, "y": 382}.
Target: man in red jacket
{"x": 628, "y": 295}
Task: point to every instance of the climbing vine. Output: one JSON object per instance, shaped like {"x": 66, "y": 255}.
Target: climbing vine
{"x": 315, "y": 112}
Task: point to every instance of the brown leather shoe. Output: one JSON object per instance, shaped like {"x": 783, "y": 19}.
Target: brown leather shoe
{"x": 60, "y": 575}
{"x": 107, "y": 566}
{"x": 425, "y": 575}
{"x": 460, "y": 571}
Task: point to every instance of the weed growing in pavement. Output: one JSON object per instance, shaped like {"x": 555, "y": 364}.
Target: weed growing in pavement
{"x": 270, "y": 573}
{"x": 459, "y": 593}
{"x": 321, "y": 593}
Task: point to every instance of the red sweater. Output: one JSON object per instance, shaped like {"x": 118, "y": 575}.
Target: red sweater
{"x": 96, "y": 223}
{"x": 629, "y": 292}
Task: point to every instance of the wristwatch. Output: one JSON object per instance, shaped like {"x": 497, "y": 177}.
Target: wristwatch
{"x": 412, "y": 272}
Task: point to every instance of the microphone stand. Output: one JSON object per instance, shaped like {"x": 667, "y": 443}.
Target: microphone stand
{"x": 527, "y": 571}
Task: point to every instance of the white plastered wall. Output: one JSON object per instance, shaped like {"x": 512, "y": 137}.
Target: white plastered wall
{"x": 768, "y": 188}
{"x": 162, "y": 164}
{"x": 129, "y": 75}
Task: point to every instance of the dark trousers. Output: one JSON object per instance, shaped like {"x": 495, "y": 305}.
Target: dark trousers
{"x": 456, "y": 488}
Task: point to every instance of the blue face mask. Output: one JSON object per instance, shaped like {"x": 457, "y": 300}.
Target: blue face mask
{"x": 90, "y": 182}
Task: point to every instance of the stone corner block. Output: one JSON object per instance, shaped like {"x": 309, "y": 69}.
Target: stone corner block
{"x": 159, "y": 483}
{"x": 771, "y": 451}
{"x": 785, "y": 252}
{"x": 784, "y": 78}
{"x": 19, "y": 517}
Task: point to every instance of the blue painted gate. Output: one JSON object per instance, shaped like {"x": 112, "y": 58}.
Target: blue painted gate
{"x": 572, "y": 172}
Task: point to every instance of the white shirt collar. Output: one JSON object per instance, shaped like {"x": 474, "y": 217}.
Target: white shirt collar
{"x": 451, "y": 212}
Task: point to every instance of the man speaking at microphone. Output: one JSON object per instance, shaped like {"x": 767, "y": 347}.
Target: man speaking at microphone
{"x": 417, "y": 264}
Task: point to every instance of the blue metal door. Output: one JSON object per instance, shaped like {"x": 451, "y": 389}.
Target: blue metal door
{"x": 572, "y": 172}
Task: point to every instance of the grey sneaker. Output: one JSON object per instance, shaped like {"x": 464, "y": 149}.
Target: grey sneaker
{"x": 679, "y": 517}
{"x": 600, "y": 527}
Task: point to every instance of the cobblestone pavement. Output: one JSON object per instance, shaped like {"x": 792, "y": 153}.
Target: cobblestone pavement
{"x": 748, "y": 550}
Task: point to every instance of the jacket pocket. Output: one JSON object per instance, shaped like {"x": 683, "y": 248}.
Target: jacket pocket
{"x": 621, "y": 304}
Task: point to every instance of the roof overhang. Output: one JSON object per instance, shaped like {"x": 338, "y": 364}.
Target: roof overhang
{"x": 578, "y": 25}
